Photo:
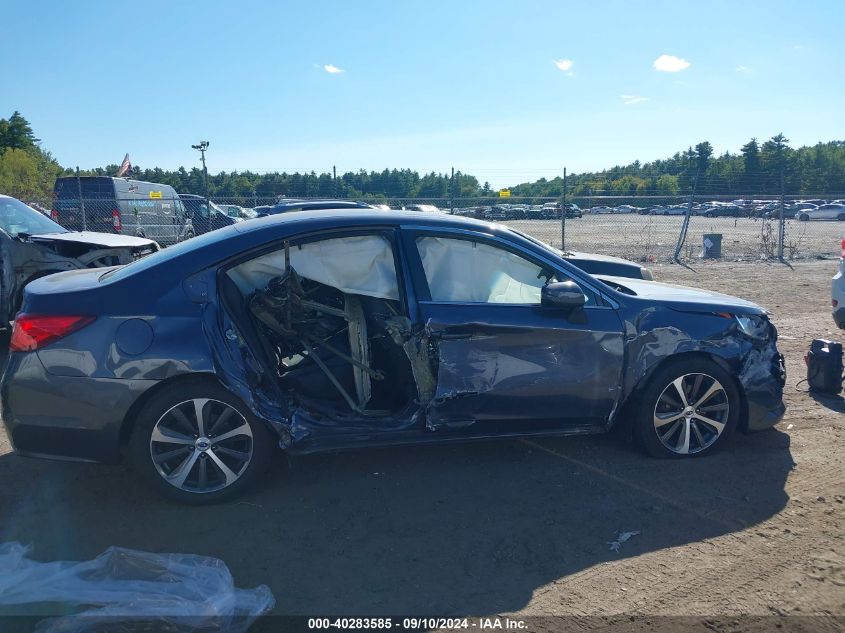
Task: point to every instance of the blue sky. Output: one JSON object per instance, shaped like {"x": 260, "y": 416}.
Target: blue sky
{"x": 427, "y": 85}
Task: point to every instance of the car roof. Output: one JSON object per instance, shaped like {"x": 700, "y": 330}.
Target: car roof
{"x": 287, "y": 202}
{"x": 345, "y": 216}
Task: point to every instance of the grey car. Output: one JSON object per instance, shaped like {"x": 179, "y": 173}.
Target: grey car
{"x": 339, "y": 329}
{"x": 32, "y": 246}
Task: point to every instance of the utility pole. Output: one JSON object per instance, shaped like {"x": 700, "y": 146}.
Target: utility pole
{"x": 81, "y": 201}
{"x": 682, "y": 234}
{"x": 452, "y": 193}
{"x": 334, "y": 179}
{"x": 202, "y": 146}
{"x": 781, "y": 223}
{"x": 563, "y": 214}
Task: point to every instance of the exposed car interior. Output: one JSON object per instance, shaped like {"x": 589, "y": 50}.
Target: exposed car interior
{"x": 331, "y": 314}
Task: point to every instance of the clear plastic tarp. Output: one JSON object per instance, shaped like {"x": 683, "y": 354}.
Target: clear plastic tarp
{"x": 124, "y": 590}
{"x": 361, "y": 265}
{"x": 474, "y": 272}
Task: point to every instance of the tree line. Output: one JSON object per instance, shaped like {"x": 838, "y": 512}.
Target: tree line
{"x": 29, "y": 171}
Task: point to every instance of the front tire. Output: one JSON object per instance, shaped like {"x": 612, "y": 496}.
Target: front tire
{"x": 689, "y": 408}
{"x": 196, "y": 443}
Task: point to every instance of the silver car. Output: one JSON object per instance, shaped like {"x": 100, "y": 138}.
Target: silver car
{"x": 837, "y": 287}
{"x": 824, "y": 212}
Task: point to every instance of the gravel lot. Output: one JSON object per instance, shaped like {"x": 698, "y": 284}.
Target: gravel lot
{"x": 643, "y": 237}
{"x": 514, "y": 526}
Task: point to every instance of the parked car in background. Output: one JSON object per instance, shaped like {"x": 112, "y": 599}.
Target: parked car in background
{"x": 325, "y": 331}
{"x": 723, "y": 210}
{"x": 425, "y": 208}
{"x": 496, "y": 213}
{"x": 32, "y": 246}
{"x": 550, "y": 210}
{"x": 286, "y": 205}
{"x": 799, "y": 206}
{"x": 674, "y": 210}
{"x": 572, "y": 210}
{"x": 120, "y": 205}
{"x": 596, "y": 264}
{"x": 627, "y": 208}
{"x": 234, "y": 211}
{"x": 205, "y": 216}
{"x": 823, "y": 212}
{"x": 838, "y": 291}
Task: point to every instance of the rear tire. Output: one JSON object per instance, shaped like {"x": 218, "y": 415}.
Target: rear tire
{"x": 803, "y": 217}
{"x": 203, "y": 462}
{"x": 841, "y": 217}
{"x": 689, "y": 408}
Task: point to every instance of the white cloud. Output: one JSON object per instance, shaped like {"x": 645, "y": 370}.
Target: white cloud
{"x": 332, "y": 69}
{"x": 742, "y": 69}
{"x": 670, "y": 64}
{"x": 632, "y": 99}
{"x": 564, "y": 64}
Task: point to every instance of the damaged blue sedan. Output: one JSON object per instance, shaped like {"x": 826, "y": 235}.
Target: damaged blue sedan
{"x": 340, "y": 329}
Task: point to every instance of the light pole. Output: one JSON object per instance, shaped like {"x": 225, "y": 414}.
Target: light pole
{"x": 202, "y": 146}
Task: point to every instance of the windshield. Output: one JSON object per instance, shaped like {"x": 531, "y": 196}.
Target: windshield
{"x": 216, "y": 209}
{"x": 547, "y": 247}
{"x": 17, "y": 218}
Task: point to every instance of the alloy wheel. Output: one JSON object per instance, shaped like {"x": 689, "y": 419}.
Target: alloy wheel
{"x": 691, "y": 413}
{"x": 201, "y": 445}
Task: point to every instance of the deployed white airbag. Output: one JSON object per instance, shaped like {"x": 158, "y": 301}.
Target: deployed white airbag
{"x": 474, "y": 272}
{"x": 361, "y": 265}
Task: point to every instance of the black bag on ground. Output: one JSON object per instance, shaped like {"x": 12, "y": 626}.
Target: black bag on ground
{"x": 824, "y": 366}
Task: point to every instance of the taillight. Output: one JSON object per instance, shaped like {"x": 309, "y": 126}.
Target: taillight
{"x": 34, "y": 331}
{"x": 54, "y": 215}
{"x": 843, "y": 249}
{"x": 115, "y": 220}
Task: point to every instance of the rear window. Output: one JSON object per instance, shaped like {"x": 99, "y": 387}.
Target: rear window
{"x": 161, "y": 257}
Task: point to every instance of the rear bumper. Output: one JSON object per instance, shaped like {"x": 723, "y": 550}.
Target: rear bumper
{"x": 64, "y": 417}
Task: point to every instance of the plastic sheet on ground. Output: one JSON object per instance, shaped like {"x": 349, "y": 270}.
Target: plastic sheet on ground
{"x": 124, "y": 590}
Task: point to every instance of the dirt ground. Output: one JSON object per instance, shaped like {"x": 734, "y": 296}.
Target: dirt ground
{"x": 519, "y": 527}
{"x": 650, "y": 238}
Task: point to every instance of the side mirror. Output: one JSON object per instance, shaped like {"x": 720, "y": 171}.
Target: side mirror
{"x": 563, "y": 295}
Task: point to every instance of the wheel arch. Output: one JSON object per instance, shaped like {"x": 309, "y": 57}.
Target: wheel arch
{"x": 646, "y": 378}
{"x": 131, "y": 416}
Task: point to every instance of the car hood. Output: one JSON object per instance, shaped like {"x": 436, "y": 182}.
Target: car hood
{"x": 107, "y": 240}
{"x": 596, "y": 257}
{"x": 683, "y": 297}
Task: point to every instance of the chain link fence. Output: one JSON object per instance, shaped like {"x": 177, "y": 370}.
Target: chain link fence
{"x": 640, "y": 228}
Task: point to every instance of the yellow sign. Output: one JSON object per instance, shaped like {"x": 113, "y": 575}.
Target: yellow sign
{"x": 155, "y": 194}
{"x": 504, "y": 193}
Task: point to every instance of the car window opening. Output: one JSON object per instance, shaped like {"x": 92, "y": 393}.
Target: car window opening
{"x": 330, "y": 312}
{"x": 617, "y": 286}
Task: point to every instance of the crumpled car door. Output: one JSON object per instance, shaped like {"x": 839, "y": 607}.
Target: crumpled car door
{"x": 524, "y": 363}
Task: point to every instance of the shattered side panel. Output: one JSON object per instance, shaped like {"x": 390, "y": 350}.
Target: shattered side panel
{"x": 657, "y": 333}
{"x": 763, "y": 394}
